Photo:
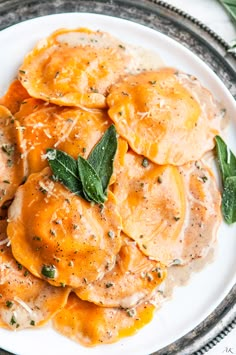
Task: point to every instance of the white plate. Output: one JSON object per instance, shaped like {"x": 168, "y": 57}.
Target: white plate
{"x": 190, "y": 304}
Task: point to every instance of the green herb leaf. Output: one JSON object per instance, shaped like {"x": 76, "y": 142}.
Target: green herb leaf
{"x": 226, "y": 159}
{"x": 13, "y": 320}
{"x": 91, "y": 182}
{"x": 87, "y": 178}
{"x": 229, "y": 200}
{"x": 227, "y": 163}
{"x": 232, "y": 48}
{"x": 230, "y": 6}
{"x": 102, "y": 156}
{"x": 48, "y": 271}
{"x": 65, "y": 169}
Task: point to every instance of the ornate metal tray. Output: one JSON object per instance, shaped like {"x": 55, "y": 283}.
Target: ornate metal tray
{"x": 212, "y": 50}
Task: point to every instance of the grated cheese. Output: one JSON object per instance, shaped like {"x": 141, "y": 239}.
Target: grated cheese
{"x": 23, "y": 304}
{"x": 68, "y": 132}
{"x": 4, "y": 241}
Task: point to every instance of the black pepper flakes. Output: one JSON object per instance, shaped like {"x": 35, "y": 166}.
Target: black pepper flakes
{"x": 109, "y": 284}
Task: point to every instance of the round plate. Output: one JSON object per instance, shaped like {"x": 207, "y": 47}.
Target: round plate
{"x": 209, "y": 296}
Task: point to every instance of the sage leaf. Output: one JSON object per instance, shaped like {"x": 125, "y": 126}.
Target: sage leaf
{"x": 230, "y": 6}
{"x": 102, "y": 156}
{"x": 91, "y": 182}
{"x": 229, "y": 200}
{"x": 226, "y": 159}
{"x": 65, "y": 169}
{"x": 227, "y": 164}
{"x": 232, "y": 48}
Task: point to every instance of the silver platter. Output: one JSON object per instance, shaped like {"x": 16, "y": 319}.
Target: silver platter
{"x": 209, "y": 47}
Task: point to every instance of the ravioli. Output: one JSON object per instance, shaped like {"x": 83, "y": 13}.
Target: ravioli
{"x": 14, "y": 96}
{"x": 61, "y": 237}
{"x": 163, "y": 114}
{"x": 25, "y": 301}
{"x": 172, "y": 213}
{"x": 133, "y": 278}
{"x": 73, "y": 130}
{"x": 74, "y": 67}
{"x": 91, "y": 325}
{"x": 204, "y": 208}
{"x": 12, "y": 166}
{"x": 152, "y": 205}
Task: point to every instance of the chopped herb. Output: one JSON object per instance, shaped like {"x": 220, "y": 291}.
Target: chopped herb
{"x": 32, "y": 322}
{"x": 176, "y": 262}
{"x": 109, "y": 284}
{"x": 223, "y": 112}
{"x": 63, "y": 284}
{"x": 26, "y": 273}
{"x": 9, "y": 304}
{"x": 144, "y": 246}
{"x": 120, "y": 113}
{"x": 8, "y": 149}
{"x": 84, "y": 150}
{"x": 94, "y": 90}
{"x": 19, "y": 266}
{"x": 204, "y": 178}
{"x": 176, "y": 218}
{"x": 48, "y": 271}
{"x": 121, "y": 46}
{"x": 153, "y": 82}
{"x": 37, "y": 238}
{"x": 13, "y": 320}
{"x": 131, "y": 312}
{"x": 9, "y": 163}
{"x": 44, "y": 191}
{"x": 21, "y": 71}
{"x": 141, "y": 236}
{"x": 150, "y": 277}
{"x": 6, "y": 181}
{"x": 111, "y": 234}
{"x": 145, "y": 162}
{"x": 159, "y": 179}
{"x": 56, "y": 75}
